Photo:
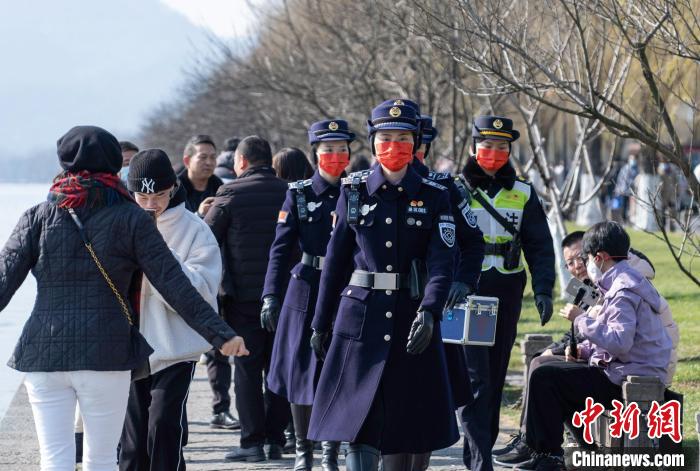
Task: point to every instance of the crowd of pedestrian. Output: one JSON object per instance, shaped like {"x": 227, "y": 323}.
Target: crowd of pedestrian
{"x": 637, "y": 189}
{"x": 326, "y": 277}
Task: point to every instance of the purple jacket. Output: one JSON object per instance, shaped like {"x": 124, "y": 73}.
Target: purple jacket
{"x": 627, "y": 337}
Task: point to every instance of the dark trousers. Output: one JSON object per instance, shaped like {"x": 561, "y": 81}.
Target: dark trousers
{"x": 219, "y": 370}
{"x": 155, "y": 429}
{"x": 557, "y": 390}
{"x": 219, "y": 373}
{"x": 263, "y": 414}
{"x": 534, "y": 364}
{"x": 487, "y": 369}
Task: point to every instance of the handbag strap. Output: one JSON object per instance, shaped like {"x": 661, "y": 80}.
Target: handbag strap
{"x": 477, "y": 195}
{"x": 88, "y": 246}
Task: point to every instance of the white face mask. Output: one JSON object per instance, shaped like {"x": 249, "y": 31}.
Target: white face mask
{"x": 594, "y": 273}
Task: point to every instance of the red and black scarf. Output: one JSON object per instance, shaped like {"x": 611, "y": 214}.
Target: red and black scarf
{"x": 87, "y": 190}
{"x": 96, "y": 190}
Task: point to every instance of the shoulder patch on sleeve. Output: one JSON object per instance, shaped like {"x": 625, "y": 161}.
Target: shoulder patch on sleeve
{"x": 469, "y": 216}
{"x": 448, "y": 233}
{"x": 282, "y": 217}
{"x": 433, "y": 184}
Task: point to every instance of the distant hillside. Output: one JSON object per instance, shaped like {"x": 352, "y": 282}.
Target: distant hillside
{"x": 85, "y": 62}
{"x": 37, "y": 167}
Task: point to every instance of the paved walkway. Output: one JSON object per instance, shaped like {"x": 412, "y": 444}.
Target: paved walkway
{"x": 205, "y": 451}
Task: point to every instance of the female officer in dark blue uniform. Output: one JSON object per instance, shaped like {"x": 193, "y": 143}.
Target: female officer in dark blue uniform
{"x": 470, "y": 240}
{"x": 304, "y": 224}
{"x": 386, "y": 355}
{"x": 522, "y": 226}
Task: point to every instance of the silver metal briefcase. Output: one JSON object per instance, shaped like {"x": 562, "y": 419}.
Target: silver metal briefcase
{"x": 472, "y": 322}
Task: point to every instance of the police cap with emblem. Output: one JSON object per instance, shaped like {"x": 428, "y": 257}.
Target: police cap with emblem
{"x": 150, "y": 171}
{"x": 494, "y": 127}
{"x": 330, "y": 130}
{"x": 393, "y": 117}
{"x": 407, "y": 102}
{"x": 403, "y": 101}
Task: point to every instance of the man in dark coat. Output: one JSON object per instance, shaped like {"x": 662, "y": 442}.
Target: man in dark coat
{"x": 243, "y": 218}
{"x": 198, "y": 177}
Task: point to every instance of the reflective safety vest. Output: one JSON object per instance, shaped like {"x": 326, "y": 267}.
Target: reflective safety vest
{"x": 510, "y": 204}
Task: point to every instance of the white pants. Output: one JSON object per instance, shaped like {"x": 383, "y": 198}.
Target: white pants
{"x": 102, "y": 396}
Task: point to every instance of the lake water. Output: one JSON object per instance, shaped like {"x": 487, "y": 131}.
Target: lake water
{"x": 15, "y": 198}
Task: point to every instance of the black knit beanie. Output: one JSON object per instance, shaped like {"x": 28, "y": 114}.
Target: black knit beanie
{"x": 89, "y": 148}
{"x": 150, "y": 171}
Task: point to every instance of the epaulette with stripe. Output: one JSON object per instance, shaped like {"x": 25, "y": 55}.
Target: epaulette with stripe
{"x": 299, "y": 184}
{"x": 433, "y": 184}
{"x": 439, "y": 175}
{"x": 362, "y": 174}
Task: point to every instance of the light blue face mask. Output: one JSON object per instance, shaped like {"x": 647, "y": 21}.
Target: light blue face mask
{"x": 124, "y": 174}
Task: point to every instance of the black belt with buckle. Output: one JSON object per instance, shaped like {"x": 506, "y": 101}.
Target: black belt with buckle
{"x": 315, "y": 261}
{"x": 380, "y": 281}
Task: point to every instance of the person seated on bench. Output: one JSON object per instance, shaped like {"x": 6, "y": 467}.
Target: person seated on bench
{"x": 625, "y": 336}
{"x": 516, "y": 450}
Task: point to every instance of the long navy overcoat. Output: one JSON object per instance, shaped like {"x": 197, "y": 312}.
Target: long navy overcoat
{"x": 397, "y": 224}
{"x": 293, "y": 366}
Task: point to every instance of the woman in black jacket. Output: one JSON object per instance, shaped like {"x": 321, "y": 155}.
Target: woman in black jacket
{"x": 78, "y": 343}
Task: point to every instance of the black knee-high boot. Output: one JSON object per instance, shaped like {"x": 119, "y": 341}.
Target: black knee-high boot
{"x": 301, "y": 415}
{"x": 329, "y": 459}
{"x": 405, "y": 462}
{"x": 361, "y": 458}
{"x": 396, "y": 462}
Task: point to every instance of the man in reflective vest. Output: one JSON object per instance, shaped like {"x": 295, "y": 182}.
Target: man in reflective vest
{"x": 509, "y": 214}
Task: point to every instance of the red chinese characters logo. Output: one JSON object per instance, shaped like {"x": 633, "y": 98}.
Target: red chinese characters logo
{"x": 625, "y": 420}
{"x": 587, "y": 418}
{"x": 665, "y": 420}
{"x": 661, "y": 420}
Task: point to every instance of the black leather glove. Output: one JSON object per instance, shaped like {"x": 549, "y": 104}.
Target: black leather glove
{"x": 544, "y": 307}
{"x": 421, "y": 333}
{"x": 270, "y": 313}
{"x": 458, "y": 292}
{"x": 319, "y": 343}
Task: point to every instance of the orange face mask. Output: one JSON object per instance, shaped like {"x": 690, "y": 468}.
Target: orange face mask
{"x": 421, "y": 156}
{"x": 333, "y": 163}
{"x": 491, "y": 159}
{"x": 394, "y": 155}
